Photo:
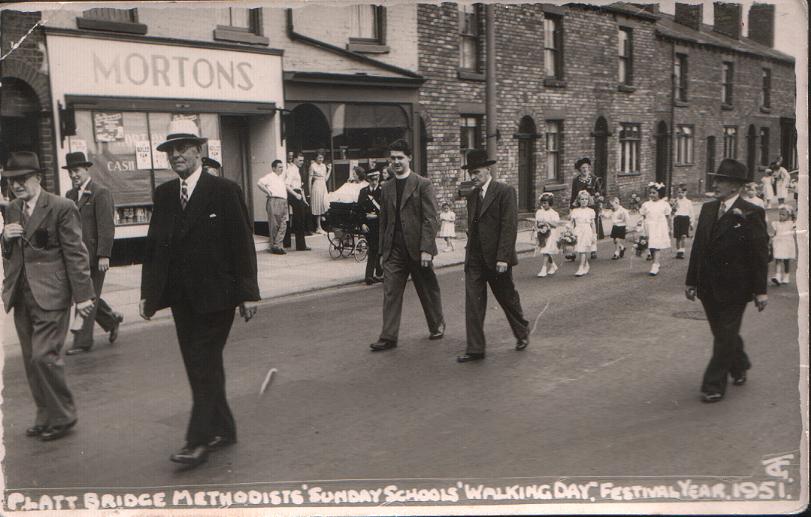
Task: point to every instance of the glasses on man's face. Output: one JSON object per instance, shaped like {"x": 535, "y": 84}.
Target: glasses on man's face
{"x": 20, "y": 180}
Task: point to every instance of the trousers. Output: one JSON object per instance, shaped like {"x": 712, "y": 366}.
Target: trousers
{"x": 102, "y": 313}
{"x": 728, "y": 356}
{"x": 277, "y": 220}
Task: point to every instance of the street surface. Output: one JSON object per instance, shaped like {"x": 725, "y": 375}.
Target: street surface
{"x": 608, "y": 387}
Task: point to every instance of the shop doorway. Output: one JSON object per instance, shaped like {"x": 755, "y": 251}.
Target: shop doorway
{"x": 751, "y": 151}
{"x": 708, "y": 186}
{"x": 309, "y": 134}
{"x": 601, "y": 152}
{"x": 661, "y": 152}
{"x": 234, "y": 134}
{"x": 526, "y": 164}
{"x": 19, "y": 119}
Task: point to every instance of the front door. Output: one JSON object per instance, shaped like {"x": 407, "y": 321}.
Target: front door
{"x": 661, "y": 152}
{"x": 708, "y": 187}
{"x": 601, "y": 153}
{"x": 751, "y": 151}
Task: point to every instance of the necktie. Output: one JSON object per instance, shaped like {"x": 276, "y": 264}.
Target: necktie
{"x": 722, "y": 210}
{"x": 184, "y": 194}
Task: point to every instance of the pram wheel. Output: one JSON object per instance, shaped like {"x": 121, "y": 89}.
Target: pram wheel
{"x": 334, "y": 251}
{"x": 347, "y": 244}
{"x": 361, "y": 249}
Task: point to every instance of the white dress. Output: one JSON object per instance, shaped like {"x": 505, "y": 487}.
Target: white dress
{"x": 768, "y": 189}
{"x": 549, "y": 216}
{"x": 583, "y": 218}
{"x": 318, "y": 190}
{"x": 656, "y": 227}
{"x": 448, "y": 226}
{"x": 783, "y": 243}
{"x": 782, "y": 180}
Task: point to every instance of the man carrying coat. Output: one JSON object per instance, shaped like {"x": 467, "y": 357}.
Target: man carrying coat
{"x": 492, "y": 221}
{"x": 408, "y": 226}
{"x": 95, "y": 205}
{"x": 200, "y": 261}
{"x": 46, "y": 269}
{"x": 728, "y": 268}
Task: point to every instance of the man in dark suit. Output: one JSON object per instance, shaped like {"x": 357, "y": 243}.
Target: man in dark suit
{"x": 408, "y": 227}
{"x": 46, "y": 268}
{"x": 296, "y": 223}
{"x": 200, "y": 261}
{"x": 492, "y": 221}
{"x": 95, "y": 205}
{"x": 369, "y": 200}
{"x": 728, "y": 268}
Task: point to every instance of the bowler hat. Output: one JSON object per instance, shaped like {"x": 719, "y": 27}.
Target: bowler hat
{"x": 733, "y": 170}
{"x": 211, "y": 162}
{"x": 76, "y": 159}
{"x": 181, "y": 130}
{"x": 580, "y": 162}
{"x": 21, "y": 163}
{"x": 477, "y": 158}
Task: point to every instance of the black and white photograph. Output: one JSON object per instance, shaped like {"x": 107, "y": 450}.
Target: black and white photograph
{"x": 335, "y": 257}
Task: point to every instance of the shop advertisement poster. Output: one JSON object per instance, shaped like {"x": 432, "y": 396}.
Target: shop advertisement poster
{"x": 78, "y": 145}
{"x": 215, "y": 150}
{"x": 143, "y": 155}
{"x": 159, "y": 158}
{"x": 108, "y": 127}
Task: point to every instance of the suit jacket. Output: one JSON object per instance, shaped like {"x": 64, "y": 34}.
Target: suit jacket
{"x": 418, "y": 216}
{"x": 59, "y": 273}
{"x": 730, "y": 256}
{"x": 365, "y": 198}
{"x": 498, "y": 223}
{"x": 96, "y": 213}
{"x": 216, "y": 253}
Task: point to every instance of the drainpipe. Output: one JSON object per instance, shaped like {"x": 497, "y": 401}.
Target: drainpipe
{"x": 490, "y": 90}
{"x": 672, "y": 149}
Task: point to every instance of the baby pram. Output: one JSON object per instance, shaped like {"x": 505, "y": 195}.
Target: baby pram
{"x": 344, "y": 226}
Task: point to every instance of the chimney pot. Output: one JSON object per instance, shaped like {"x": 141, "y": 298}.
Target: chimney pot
{"x": 761, "y": 24}
{"x": 690, "y": 15}
{"x": 727, "y": 19}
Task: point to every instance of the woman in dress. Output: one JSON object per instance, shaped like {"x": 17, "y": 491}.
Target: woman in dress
{"x": 591, "y": 184}
{"x": 768, "y": 187}
{"x": 447, "y": 229}
{"x": 656, "y": 215}
{"x": 584, "y": 229}
{"x": 781, "y": 181}
{"x": 319, "y": 174}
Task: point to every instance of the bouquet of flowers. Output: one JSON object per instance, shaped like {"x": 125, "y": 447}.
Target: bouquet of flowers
{"x": 566, "y": 243}
{"x": 640, "y": 245}
{"x": 542, "y": 231}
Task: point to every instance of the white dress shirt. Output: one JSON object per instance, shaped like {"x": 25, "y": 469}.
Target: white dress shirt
{"x": 484, "y": 188}
{"x": 192, "y": 180}
{"x": 274, "y": 183}
{"x": 727, "y": 205}
{"x": 292, "y": 176}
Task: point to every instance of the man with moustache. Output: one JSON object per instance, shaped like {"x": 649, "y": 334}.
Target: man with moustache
{"x": 200, "y": 261}
{"x": 408, "y": 227}
{"x": 95, "y": 203}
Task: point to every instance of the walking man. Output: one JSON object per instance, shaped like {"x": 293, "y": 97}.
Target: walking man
{"x": 728, "y": 268}
{"x": 298, "y": 204}
{"x": 273, "y": 185}
{"x": 408, "y": 227}
{"x": 95, "y": 205}
{"x": 200, "y": 261}
{"x": 369, "y": 201}
{"x": 492, "y": 221}
{"x": 46, "y": 269}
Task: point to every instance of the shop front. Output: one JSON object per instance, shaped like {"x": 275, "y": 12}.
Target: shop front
{"x": 115, "y": 99}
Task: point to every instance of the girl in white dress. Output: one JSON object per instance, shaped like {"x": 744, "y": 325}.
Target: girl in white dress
{"x": 583, "y": 219}
{"x": 447, "y": 230}
{"x": 783, "y": 245}
{"x": 319, "y": 174}
{"x": 546, "y": 217}
{"x": 768, "y": 188}
{"x": 656, "y": 215}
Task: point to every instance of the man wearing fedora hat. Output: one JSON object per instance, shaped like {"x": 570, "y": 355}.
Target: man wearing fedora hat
{"x": 492, "y": 221}
{"x": 46, "y": 269}
{"x": 95, "y": 205}
{"x": 728, "y": 268}
{"x": 200, "y": 261}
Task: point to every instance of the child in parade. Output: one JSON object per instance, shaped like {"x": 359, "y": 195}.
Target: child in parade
{"x": 750, "y": 195}
{"x": 583, "y": 219}
{"x": 783, "y": 245}
{"x": 768, "y": 187}
{"x": 682, "y": 220}
{"x": 546, "y": 223}
{"x": 447, "y": 230}
{"x": 781, "y": 181}
{"x": 619, "y": 223}
{"x": 656, "y": 215}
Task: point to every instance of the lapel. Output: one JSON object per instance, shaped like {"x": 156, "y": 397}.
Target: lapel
{"x": 72, "y": 194}
{"x": 198, "y": 201}
{"x": 410, "y": 187}
{"x": 727, "y": 220}
{"x": 40, "y": 211}
{"x": 488, "y": 196}
{"x": 87, "y": 195}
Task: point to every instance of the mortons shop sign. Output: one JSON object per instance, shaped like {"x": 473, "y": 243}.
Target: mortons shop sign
{"x": 84, "y": 66}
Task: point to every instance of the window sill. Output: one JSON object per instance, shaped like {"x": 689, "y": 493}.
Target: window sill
{"x": 469, "y": 75}
{"x": 626, "y": 88}
{"x": 765, "y": 109}
{"x": 684, "y": 165}
{"x": 554, "y": 188}
{"x": 680, "y": 104}
{"x": 236, "y": 36}
{"x": 110, "y": 26}
{"x": 551, "y": 82}
{"x": 362, "y": 47}
{"x": 628, "y": 174}
{"x": 727, "y": 107}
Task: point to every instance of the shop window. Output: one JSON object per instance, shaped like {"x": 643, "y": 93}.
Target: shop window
{"x": 625, "y": 50}
{"x": 730, "y": 142}
{"x": 111, "y": 20}
{"x": 240, "y": 25}
{"x": 727, "y": 76}
{"x": 553, "y": 46}
{"x": 629, "y": 148}
{"x": 367, "y": 29}
{"x": 554, "y": 147}
{"x": 764, "y": 146}
{"x": 680, "y": 77}
{"x": 684, "y": 145}
{"x": 469, "y": 38}
{"x": 470, "y": 134}
{"x": 766, "y": 89}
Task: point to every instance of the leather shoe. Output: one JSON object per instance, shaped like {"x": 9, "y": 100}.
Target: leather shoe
{"x": 305, "y": 248}
{"x": 739, "y": 380}
{"x": 522, "y": 343}
{"x": 466, "y": 358}
{"x": 34, "y": 431}
{"x": 277, "y": 251}
{"x": 218, "y": 442}
{"x": 438, "y": 333}
{"x": 382, "y": 344}
{"x": 56, "y": 432}
{"x": 119, "y": 318}
{"x": 711, "y": 397}
{"x": 78, "y": 350}
{"x": 191, "y": 456}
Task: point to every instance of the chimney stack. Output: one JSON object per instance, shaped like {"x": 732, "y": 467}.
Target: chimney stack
{"x": 690, "y": 15}
{"x": 727, "y": 18}
{"x": 761, "y": 24}
{"x": 651, "y": 8}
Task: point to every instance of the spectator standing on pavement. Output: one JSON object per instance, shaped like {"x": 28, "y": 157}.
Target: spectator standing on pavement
{"x": 369, "y": 201}
{"x": 781, "y": 181}
{"x": 784, "y": 246}
{"x": 768, "y": 187}
{"x": 297, "y": 222}
{"x": 583, "y": 217}
{"x": 682, "y": 220}
{"x": 729, "y": 263}
{"x": 547, "y": 221}
{"x": 619, "y": 225}
{"x": 95, "y": 204}
{"x": 490, "y": 256}
{"x": 200, "y": 261}
{"x": 273, "y": 185}
{"x": 656, "y": 214}
{"x": 212, "y": 166}
{"x": 447, "y": 230}
{"x": 408, "y": 228}
{"x": 46, "y": 268}
{"x": 319, "y": 175}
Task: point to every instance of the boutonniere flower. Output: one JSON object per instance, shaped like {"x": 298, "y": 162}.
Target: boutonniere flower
{"x": 737, "y": 213}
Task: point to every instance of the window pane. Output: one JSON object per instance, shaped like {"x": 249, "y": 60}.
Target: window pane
{"x": 549, "y": 33}
{"x": 468, "y": 58}
{"x": 363, "y": 22}
{"x": 549, "y": 63}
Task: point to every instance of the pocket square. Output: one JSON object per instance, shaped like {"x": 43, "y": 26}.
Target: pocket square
{"x": 212, "y": 216}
